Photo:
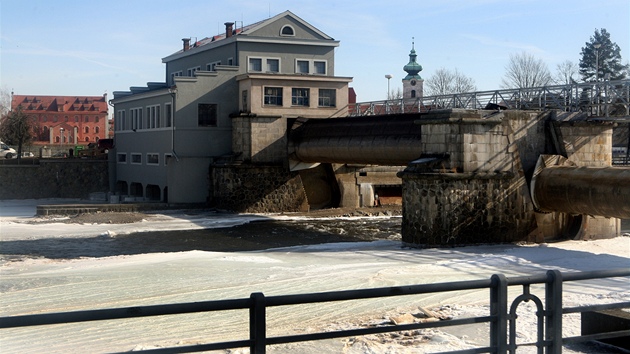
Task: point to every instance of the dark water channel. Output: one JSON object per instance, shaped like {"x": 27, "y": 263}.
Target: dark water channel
{"x": 257, "y": 235}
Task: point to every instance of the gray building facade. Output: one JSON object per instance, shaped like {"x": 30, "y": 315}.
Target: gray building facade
{"x": 224, "y": 98}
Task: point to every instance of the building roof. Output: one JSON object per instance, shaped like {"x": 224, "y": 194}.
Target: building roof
{"x": 244, "y": 31}
{"x": 84, "y": 104}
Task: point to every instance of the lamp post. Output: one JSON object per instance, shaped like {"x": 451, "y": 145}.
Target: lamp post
{"x": 388, "y": 77}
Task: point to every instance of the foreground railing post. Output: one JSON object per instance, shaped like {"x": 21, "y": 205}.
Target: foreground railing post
{"x": 498, "y": 309}
{"x": 257, "y": 324}
{"x": 553, "y": 305}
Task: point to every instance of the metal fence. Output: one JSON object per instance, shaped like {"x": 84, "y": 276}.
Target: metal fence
{"x": 597, "y": 99}
{"x": 549, "y": 313}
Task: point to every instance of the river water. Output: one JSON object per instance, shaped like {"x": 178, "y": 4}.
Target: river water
{"x": 257, "y": 235}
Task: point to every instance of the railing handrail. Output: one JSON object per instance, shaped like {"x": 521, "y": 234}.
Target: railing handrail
{"x": 583, "y": 96}
{"x": 257, "y": 304}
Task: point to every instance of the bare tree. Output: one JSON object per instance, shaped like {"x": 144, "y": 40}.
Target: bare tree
{"x": 524, "y": 71}
{"x": 446, "y": 82}
{"x": 16, "y": 129}
{"x": 565, "y": 73}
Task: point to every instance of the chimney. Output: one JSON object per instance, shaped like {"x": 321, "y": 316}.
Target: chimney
{"x": 186, "y": 43}
{"x": 228, "y": 29}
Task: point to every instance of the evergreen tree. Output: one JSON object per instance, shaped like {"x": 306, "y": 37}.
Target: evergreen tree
{"x": 602, "y": 57}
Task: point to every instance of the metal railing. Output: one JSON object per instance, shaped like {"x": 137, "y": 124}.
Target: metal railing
{"x": 603, "y": 98}
{"x": 549, "y": 313}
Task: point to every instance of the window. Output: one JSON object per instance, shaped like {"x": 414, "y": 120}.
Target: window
{"x": 76, "y": 119}
{"x": 301, "y": 66}
{"x": 174, "y": 75}
{"x": 153, "y": 116}
{"x": 96, "y": 130}
{"x": 212, "y": 66}
{"x": 413, "y": 93}
{"x": 55, "y": 119}
{"x": 44, "y": 118}
{"x": 153, "y": 159}
{"x": 207, "y": 115}
{"x": 273, "y": 96}
{"x": 120, "y": 122}
{"x": 230, "y": 61}
{"x": 121, "y": 157}
{"x": 244, "y": 104}
{"x": 192, "y": 71}
{"x": 327, "y": 98}
{"x": 136, "y": 158}
{"x": 87, "y": 130}
{"x": 273, "y": 65}
{"x": 136, "y": 118}
{"x": 66, "y": 118}
{"x": 166, "y": 158}
{"x": 255, "y": 64}
{"x": 299, "y": 96}
{"x": 96, "y": 119}
{"x": 320, "y": 67}
{"x": 287, "y": 31}
{"x": 168, "y": 112}
{"x": 87, "y": 119}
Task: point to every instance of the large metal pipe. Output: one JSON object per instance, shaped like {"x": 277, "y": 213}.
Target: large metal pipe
{"x": 379, "y": 140}
{"x": 597, "y": 191}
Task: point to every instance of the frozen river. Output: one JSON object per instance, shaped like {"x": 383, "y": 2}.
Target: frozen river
{"x": 179, "y": 257}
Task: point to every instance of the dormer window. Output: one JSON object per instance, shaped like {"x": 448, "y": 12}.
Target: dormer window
{"x": 287, "y": 31}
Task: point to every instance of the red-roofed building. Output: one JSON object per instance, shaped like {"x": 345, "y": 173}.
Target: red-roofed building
{"x": 71, "y": 120}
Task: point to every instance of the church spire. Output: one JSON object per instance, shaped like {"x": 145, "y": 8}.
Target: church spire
{"x": 412, "y": 68}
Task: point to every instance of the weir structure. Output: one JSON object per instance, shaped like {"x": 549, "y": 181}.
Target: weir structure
{"x": 484, "y": 176}
{"x": 482, "y": 167}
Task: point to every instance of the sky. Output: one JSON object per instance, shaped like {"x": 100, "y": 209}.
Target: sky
{"x": 78, "y": 47}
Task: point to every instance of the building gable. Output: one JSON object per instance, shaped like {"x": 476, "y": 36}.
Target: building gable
{"x": 286, "y": 25}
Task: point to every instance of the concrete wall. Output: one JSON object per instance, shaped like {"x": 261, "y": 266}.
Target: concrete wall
{"x": 481, "y": 193}
{"x": 54, "y": 179}
{"x": 257, "y": 189}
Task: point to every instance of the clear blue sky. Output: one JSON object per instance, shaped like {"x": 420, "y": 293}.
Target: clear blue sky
{"x": 80, "y": 47}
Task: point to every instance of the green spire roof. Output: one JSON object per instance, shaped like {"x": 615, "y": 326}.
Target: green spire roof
{"x": 412, "y": 68}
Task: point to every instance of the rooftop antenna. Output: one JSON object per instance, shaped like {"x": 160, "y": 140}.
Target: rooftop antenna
{"x": 269, "y": 10}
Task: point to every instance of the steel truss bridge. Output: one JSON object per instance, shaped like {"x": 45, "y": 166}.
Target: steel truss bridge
{"x": 597, "y": 99}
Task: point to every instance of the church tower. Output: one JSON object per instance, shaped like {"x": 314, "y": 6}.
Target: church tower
{"x": 412, "y": 83}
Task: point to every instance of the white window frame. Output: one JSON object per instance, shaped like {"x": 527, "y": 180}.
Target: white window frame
{"x": 153, "y": 155}
{"x": 120, "y": 122}
{"x": 168, "y": 114}
{"x": 230, "y": 61}
{"x": 153, "y": 116}
{"x": 176, "y": 74}
{"x": 136, "y": 118}
{"x": 311, "y": 66}
{"x": 297, "y": 66}
{"x": 249, "y": 64}
{"x": 135, "y": 154}
{"x": 212, "y": 66}
{"x": 124, "y": 158}
{"x": 333, "y": 100}
{"x": 193, "y": 70}
{"x": 267, "y": 65}
{"x": 287, "y": 35}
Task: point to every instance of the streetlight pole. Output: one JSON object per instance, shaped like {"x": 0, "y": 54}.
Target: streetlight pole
{"x": 388, "y": 77}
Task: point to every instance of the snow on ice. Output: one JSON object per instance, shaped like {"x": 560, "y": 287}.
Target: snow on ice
{"x": 40, "y": 285}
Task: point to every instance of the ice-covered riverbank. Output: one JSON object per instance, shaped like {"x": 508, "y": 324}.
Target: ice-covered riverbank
{"x": 38, "y": 285}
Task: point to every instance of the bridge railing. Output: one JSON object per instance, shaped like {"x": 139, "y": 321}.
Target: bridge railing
{"x": 603, "y": 98}
{"x": 549, "y": 313}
